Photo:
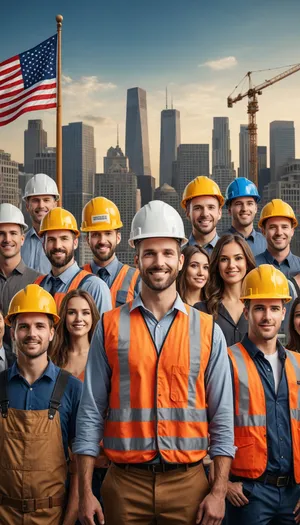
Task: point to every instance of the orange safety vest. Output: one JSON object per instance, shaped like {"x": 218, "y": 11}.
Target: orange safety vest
{"x": 250, "y": 413}
{"x": 157, "y": 402}
{"x": 78, "y": 280}
{"x": 122, "y": 289}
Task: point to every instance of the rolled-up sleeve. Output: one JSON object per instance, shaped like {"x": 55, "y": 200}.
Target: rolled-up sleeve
{"x": 219, "y": 397}
{"x": 94, "y": 400}
{"x": 99, "y": 292}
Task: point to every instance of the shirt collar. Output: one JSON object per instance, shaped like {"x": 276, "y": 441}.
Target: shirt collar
{"x": 253, "y": 350}
{"x": 251, "y": 236}
{"x": 68, "y": 274}
{"x": 111, "y": 268}
{"x": 287, "y": 261}
{"x": 32, "y": 233}
{"x": 212, "y": 243}
{"x": 50, "y": 371}
{"x": 178, "y": 304}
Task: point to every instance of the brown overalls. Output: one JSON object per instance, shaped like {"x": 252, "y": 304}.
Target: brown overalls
{"x": 33, "y": 467}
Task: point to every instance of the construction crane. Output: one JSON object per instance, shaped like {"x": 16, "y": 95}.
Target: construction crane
{"x": 252, "y": 93}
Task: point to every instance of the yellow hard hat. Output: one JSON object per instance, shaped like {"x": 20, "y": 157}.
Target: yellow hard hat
{"x": 277, "y": 208}
{"x": 201, "y": 186}
{"x": 100, "y": 214}
{"x": 34, "y": 300}
{"x": 59, "y": 219}
{"x": 265, "y": 282}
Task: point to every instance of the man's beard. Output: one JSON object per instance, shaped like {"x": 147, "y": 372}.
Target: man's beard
{"x": 59, "y": 264}
{"x": 160, "y": 286}
{"x": 197, "y": 227}
{"x": 101, "y": 256}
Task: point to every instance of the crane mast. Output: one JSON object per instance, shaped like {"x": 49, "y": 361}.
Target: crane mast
{"x": 252, "y": 109}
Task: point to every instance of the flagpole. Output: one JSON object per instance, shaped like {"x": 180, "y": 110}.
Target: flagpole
{"x": 59, "y": 20}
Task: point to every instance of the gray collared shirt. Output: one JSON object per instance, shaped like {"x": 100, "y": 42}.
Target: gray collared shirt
{"x": 208, "y": 247}
{"x": 16, "y": 281}
{"x": 95, "y": 286}
{"x": 3, "y": 360}
{"x": 97, "y": 386}
{"x": 256, "y": 241}
{"x": 289, "y": 267}
{"x": 33, "y": 253}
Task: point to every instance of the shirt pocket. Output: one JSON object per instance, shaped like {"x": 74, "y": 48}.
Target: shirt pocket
{"x": 244, "y": 456}
{"x": 121, "y": 297}
{"x": 179, "y": 384}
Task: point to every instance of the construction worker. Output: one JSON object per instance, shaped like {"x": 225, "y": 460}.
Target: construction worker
{"x": 102, "y": 222}
{"x": 38, "y": 404}
{"x": 41, "y": 195}
{"x": 157, "y": 382}
{"x": 265, "y": 474}
{"x": 202, "y": 201}
{"x": 60, "y": 233}
{"x": 7, "y": 357}
{"x": 241, "y": 199}
{"x": 14, "y": 274}
{"x": 278, "y": 222}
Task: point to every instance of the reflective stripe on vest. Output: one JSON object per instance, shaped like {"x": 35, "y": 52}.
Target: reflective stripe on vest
{"x": 250, "y": 413}
{"x": 122, "y": 289}
{"x": 170, "y": 386}
{"x": 76, "y": 282}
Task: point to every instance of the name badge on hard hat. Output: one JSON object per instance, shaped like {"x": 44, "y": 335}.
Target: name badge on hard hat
{"x": 101, "y": 218}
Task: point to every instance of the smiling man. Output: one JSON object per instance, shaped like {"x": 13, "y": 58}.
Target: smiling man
{"x": 60, "y": 234}
{"x": 41, "y": 195}
{"x": 241, "y": 200}
{"x": 265, "y": 474}
{"x": 202, "y": 201}
{"x": 101, "y": 222}
{"x": 157, "y": 384}
{"x": 278, "y": 223}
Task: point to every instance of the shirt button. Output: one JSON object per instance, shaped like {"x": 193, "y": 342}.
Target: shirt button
{"x": 282, "y": 457}
{"x": 30, "y": 388}
{"x": 269, "y": 369}
{"x": 158, "y": 326}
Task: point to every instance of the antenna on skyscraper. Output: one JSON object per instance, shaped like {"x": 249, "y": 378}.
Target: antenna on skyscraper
{"x": 117, "y": 135}
{"x": 172, "y": 101}
{"x": 166, "y": 97}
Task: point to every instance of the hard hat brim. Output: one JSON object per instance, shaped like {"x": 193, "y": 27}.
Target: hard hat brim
{"x": 164, "y": 235}
{"x": 286, "y": 298}
{"x": 255, "y": 197}
{"x": 41, "y": 233}
{"x": 22, "y": 224}
{"x": 293, "y": 219}
{"x": 220, "y": 198}
{"x": 102, "y": 228}
{"x": 56, "y": 195}
{"x": 9, "y": 317}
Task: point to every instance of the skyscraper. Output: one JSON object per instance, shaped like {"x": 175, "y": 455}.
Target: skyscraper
{"x": 45, "y": 162}
{"x": 170, "y": 139}
{"x": 35, "y": 141}
{"x": 169, "y": 195}
{"x": 221, "y": 153}
{"x": 9, "y": 179}
{"x": 244, "y": 151}
{"x": 282, "y": 146}
{"x": 137, "y": 140}
{"x": 79, "y": 168}
{"x": 261, "y": 158}
{"x": 120, "y": 186}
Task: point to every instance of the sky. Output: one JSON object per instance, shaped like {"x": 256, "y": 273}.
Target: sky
{"x": 199, "y": 49}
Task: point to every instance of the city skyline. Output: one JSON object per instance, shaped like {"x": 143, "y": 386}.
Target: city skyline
{"x": 200, "y": 68}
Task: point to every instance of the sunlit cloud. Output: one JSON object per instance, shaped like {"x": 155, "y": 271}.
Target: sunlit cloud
{"x": 220, "y": 64}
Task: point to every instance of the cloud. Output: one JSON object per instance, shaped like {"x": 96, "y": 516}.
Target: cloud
{"x": 92, "y": 118}
{"x": 220, "y": 64}
{"x": 86, "y": 85}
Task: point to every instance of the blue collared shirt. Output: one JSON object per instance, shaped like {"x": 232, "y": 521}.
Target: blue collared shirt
{"x": 36, "y": 396}
{"x": 113, "y": 269}
{"x": 290, "y": 266}
{"x": 208, "y": 247}
{"x": 97, "y": 386}
{"x": 33, "y": 253}
{"x": 256, "y": 241}
{"x": 95, "y": 286}
{"x": 277, "y": 407}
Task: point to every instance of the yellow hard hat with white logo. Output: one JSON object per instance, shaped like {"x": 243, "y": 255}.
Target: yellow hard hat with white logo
{"x": 100, "y": 214}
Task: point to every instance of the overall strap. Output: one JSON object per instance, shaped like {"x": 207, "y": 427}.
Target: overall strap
{"x": 58, "y": 392}
{"x": 3, "y": 393}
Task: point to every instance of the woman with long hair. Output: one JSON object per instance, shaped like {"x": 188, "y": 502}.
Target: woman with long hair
{"x": 294, "y": 327}
{"x": 78, "y": 318}
{"x": 230, "y": 261}
{"x": 192, "y": 278}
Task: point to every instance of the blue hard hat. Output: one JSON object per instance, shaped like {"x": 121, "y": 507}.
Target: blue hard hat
{"x": 241, "y": 187}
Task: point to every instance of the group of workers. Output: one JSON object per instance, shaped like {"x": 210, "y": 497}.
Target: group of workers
{"x": 193, "y": 425}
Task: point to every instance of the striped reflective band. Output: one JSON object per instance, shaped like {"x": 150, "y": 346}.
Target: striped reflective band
{"x": 165, "y": 443}
{"x": 127, "y": 279}
{"x": 244, "y": 397}
{"x": 164, "y": 414}
{"x": 295, "y": 414}
{"x": 123, "y": 354}
{"x": 195, "y": 355}
{"x": 296, "y": 368}
{"x": 245, "y": 420}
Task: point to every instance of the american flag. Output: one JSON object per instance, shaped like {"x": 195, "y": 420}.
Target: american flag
{"x": 28, "y": 81}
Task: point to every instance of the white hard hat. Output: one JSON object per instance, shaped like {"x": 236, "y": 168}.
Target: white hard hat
{"x": 10, "y": 214}
{"x": 41, "y": 184}
{"x": 156, "y": 219}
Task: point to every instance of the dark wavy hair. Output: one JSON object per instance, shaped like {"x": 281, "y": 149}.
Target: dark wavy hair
{"x": 294, "y": 337}
{"x": 181, "y": 284}
{"x": 215, "y": 286}
{"x": 61, "y": 342}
